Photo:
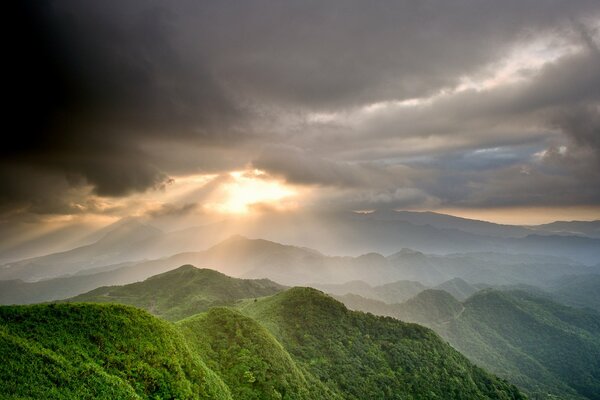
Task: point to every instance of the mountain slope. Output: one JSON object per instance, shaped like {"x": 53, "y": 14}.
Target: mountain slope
{"x": 97, "y": 351}
{"x": 393, "y": 292}
{"x": 248, "y": 358}
{"x": 458, "y": 288}
{"x": 578, "y": 290}
{"x": 114, "y": 247}
{"x": 444, "y": 221}
{"x": 583, "y": 228}
{"x": 546, "y": 348}
{"x": 389, "y": 358}
{"x": 182, "y": 292}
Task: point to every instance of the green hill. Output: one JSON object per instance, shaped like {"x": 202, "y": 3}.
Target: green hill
{"x": 362, "y": 356}
{"x": 548, "y": 349}
{"x": 94, "y": 351}
{"x": 578, "y": 290}
{"x": 536, "y": 343}
{"x": 248, "y": 358}
{"x": 182, "y": 292}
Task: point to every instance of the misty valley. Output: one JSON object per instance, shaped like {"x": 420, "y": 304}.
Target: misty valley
{"x": 255, "y": 319}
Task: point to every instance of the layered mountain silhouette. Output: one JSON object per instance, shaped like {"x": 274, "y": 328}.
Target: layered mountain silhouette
{"x": 384, "y": 232}
{"x": 292, "y": 265}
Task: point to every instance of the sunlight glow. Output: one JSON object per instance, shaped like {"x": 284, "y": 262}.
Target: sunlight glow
{"x": 248, "y": 189}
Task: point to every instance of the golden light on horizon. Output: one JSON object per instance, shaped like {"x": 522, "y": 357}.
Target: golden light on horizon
{"x": 526, "y": 215}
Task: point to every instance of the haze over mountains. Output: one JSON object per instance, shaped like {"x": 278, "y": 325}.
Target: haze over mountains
{"x": 133, "y": 251}
{"x": 385, "y": 232}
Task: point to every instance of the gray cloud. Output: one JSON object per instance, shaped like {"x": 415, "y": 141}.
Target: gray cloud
{"x": 128, "y": 94}
{"x": 302, "y": 167}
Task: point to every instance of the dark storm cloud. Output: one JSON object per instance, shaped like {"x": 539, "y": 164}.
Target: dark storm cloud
{"x": 119, "y": 96}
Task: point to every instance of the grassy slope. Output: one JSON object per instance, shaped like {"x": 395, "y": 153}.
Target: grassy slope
{"x": 182, "y": 292}
{"x": 248, "y": 358}
{"x": 85, "y": 351}
{"x": 363, "y": 356}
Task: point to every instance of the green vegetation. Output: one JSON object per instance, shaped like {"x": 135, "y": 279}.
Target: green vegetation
{"x": 394, "y": 292}
{"x": 248, "y": 358}
{"x": 182, "y": 292}
{"x": 548, "y": 349}
{"x": 578, "y": 290}
{"x": 362, "y": 356}
{"x": 302, "y": 344}
{"x": 458, "y": 288}
{"x": 94, "y": 351}
{"x": 536, "y": 343}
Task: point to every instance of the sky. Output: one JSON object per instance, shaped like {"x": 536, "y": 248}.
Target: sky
{"x": 202, "y": 109}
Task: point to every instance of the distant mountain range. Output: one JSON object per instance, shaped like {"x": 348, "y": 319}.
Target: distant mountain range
{"x": 291, "y": 265}
{"x": 384, "y": 232}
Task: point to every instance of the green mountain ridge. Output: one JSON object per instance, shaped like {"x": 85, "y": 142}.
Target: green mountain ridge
{"x": 296, "y": 344}
{"x": 182, "y": 292}
{"x": 396, "y": 359}
{"x": 248, "y": 358}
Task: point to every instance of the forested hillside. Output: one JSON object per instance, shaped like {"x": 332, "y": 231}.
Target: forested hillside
{"x": 544, "y": 347}
{"x": 296, "y": 344}
{"x": 98, "y": 351}
{"x": 365, "y": 357}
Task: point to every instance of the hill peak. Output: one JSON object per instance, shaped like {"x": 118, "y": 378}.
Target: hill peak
{"x": 188, "y": 269}
{"x": 183, "y": 292}
{"x": 406, "y": 252}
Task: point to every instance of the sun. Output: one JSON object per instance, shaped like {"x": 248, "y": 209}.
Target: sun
{"x": 249, "y": 188}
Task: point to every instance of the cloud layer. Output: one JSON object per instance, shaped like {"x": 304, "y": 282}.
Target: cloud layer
{"x": 388, "y": 104}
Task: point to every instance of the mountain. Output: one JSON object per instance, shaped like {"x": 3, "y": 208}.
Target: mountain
{"x": 182, "y": 292}
{"x": 490, "y": 268}
{"x": 393, "y": 292}
{"x": 114, "y": 247}
{"x": 385, "y": 232}
{"x": 580, "y": 228}
{"x": 292, "y": 265}
{"x": 458, "y": 288}
{"x": 85, "y": 351}
{"x": 426, "y": 308}
{"x": 296, "y": 344}
{"x": 382, "y": 232}
{"x": 544, "y": 347}
{"x": 577, "y": 290}
{"x": 580, "y": 291}
{"x": 248, "y": 358}
{"x": 444, "y": 221}
{"x": 362, "y": 356}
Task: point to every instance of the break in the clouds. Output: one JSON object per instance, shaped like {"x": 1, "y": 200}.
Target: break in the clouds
{"x": 365, "y": 104}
